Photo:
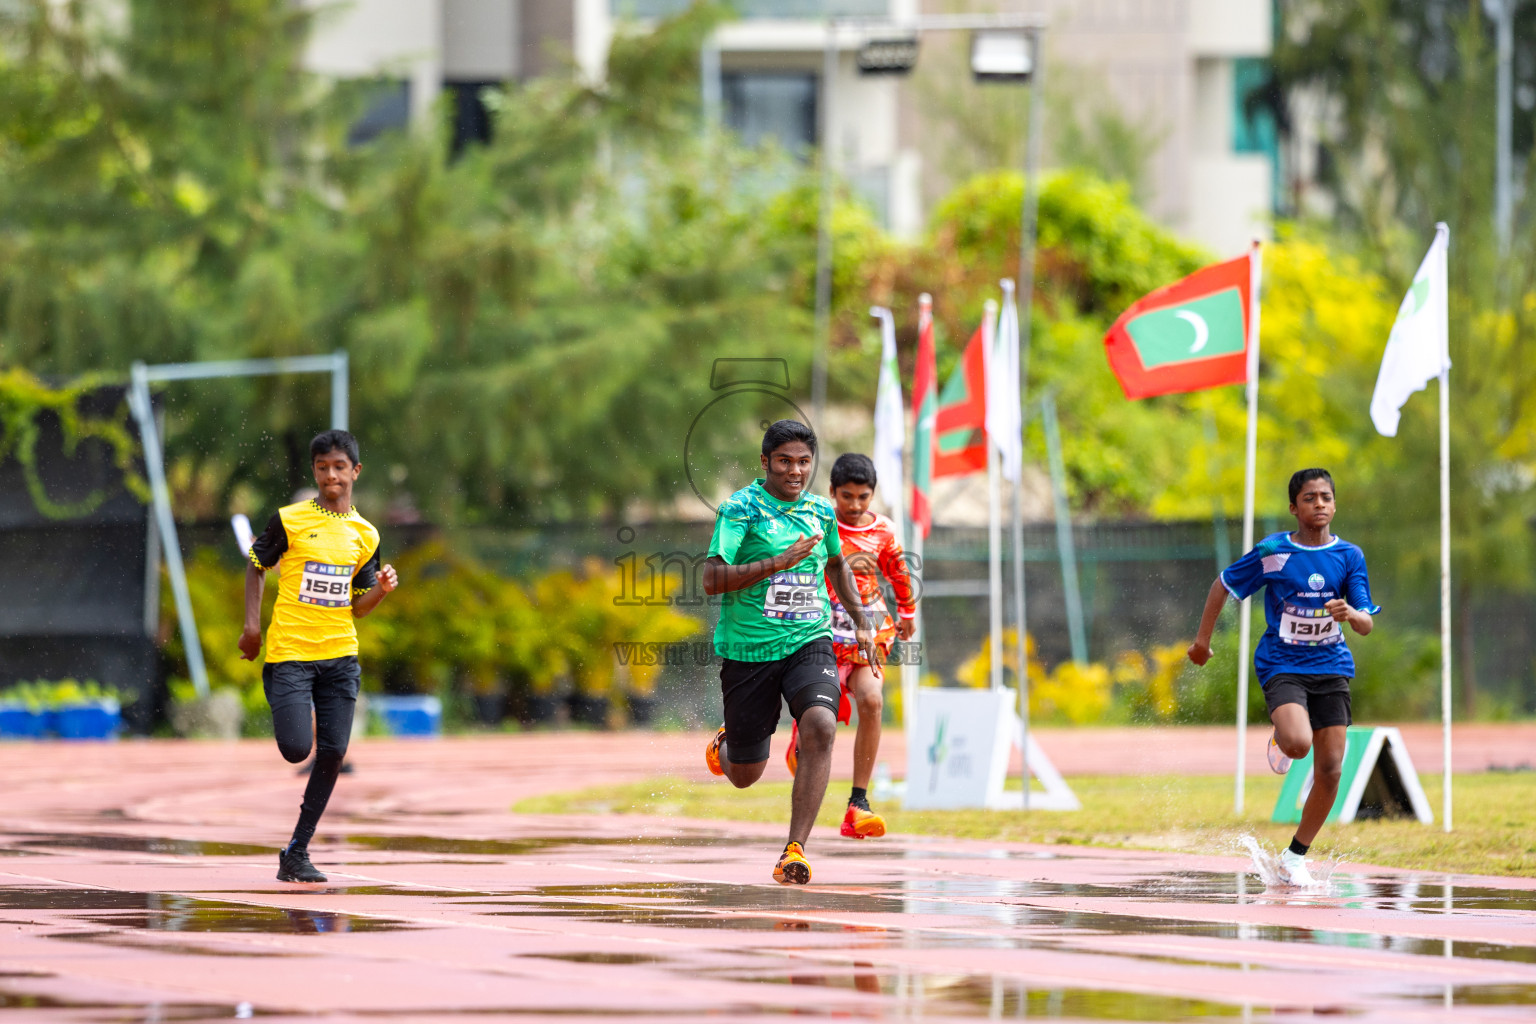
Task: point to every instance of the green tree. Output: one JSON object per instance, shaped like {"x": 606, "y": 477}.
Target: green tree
{"x": 531, "y": 324}
{"x": 1413, "y": 89}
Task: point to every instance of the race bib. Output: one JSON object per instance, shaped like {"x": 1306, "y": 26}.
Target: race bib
{"x": 842, "y": 623}
{"x": 329, "y": 586}
{"x": 1313, "y": 627}
{"x": 794, "y": 596}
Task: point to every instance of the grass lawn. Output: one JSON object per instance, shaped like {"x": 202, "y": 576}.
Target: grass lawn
{"x": 1495, "y": 818}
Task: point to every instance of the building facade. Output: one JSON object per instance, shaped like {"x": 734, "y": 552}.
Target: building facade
{"x": 1179, "y": 69}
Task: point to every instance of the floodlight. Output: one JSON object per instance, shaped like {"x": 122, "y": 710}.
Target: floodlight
{"x": 888, "y": 56}
{"x": 1002, "y": 56}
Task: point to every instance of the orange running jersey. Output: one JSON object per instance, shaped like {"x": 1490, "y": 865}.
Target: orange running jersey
{"x": 871, "y": 551}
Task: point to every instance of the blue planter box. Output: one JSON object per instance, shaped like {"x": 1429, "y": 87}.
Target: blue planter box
{"x": 18, "y": 722}
{"x": 408, "y": 716}
{"x": 88, "y": 720}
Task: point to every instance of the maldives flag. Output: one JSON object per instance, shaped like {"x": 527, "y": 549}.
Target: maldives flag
{"x": 960, "y": 427}
{"x": 925, "y": 404}
{"x": 1186, "y": 336}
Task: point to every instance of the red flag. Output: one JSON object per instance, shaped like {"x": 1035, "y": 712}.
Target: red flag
{"x": 1186, "y": 336}
{"x": 925, "y": 404}
{"x": 960, "y": 427}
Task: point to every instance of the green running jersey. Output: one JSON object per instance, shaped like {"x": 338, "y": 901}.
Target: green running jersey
{"x": 776, "y": 616}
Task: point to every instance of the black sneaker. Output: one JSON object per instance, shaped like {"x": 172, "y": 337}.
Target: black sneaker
{"x": 294, "y": 866}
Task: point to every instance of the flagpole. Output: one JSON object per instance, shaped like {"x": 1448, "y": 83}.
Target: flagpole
{"x": 994, "y": 513}
{"x": 912, "y": 672}
{"x": 1445, "y": 535}
{"x": 1445, "y": 583}
{"x": 1255, "y": 275}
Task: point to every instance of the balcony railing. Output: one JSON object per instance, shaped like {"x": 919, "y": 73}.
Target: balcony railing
{"x": 798, "y": 10}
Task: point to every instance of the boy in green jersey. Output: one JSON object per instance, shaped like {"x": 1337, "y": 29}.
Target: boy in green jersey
{"x": 772, "y": 545}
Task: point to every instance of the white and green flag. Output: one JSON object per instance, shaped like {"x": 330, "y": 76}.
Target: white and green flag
{"x": 890, "y": 422}
{"x": 1418, "y": 350}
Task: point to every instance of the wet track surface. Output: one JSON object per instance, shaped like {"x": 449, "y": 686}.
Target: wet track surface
{"x": 136, "y": 883}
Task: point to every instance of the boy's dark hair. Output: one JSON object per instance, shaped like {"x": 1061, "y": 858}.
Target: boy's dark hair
{"x": 334, "y": 440}
{"x": 782, "y": 432}
{"x": 1301, "y": 476}
{"x": 853, "y": 468}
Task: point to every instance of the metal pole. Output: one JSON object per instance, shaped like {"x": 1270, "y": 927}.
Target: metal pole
{"x": 339, "y": 409}
{"x": 1445, "y": 584}
{"x": 1255, "y": 276}
{"x": 1503, "y": 175}
{"x": 1445, "y": 528}
{"x": 1066, "y": 550}
{"x": 994, "y": 514}
{"x": 154, "y": 465}
{"x": 709, "y": 78}
{"x": 824, "y": 231}
{"x": 1027, "y": 234}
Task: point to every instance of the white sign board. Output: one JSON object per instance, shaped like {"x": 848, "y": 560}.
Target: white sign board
{"x": 959, "y": 754}
{"x": 958, "y": 746}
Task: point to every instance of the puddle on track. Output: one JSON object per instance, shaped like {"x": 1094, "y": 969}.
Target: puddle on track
{"x": 941, "y": 911}
{"x": 628, "y": 959}
{"x": 136, "y": 844}
{"x": 1485, "y": 995}
{"x": 522, "y": 847}
{"x": 976, "y": 994}
{"x": 709, "y": 906}
{"x": 125, "y": 1011}
{"x": 112, "y": 908}
{"x": 138, "y": 941}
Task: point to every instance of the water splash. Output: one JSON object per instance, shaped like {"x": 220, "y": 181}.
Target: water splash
{"x": 1265, "y": 864}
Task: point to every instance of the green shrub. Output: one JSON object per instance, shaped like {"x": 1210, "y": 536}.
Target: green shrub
{"x": 46, "y": 695}
{"x": 453, "y": 628}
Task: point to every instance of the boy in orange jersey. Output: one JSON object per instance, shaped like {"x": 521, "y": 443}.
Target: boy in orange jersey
{"x": 871, "y": 549}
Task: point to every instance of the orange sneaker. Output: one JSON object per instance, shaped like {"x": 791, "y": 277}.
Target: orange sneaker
{"x": 712, "y": 753}
{"x": 792, "y": 868}
{"x": 792, "y": 755}
{"x": 861, "y": 824}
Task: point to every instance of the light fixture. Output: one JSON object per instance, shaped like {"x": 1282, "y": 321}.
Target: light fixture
{"x": 888, "y": 56}
{"x": 1002, "y": 56}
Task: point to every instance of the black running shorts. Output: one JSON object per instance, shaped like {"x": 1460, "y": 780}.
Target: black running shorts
{"x": 1325, "y": 698}
{"x": 752, "y": 690}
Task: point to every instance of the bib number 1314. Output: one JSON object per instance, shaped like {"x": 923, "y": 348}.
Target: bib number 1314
{"x": 794, "y": 596}
{"x": 1312, "y": 627}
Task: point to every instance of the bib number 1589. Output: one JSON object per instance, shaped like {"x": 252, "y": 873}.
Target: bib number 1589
{"x": 329, "y": 586}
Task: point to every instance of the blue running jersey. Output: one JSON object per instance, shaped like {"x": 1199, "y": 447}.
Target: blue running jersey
{"x": 1301, "y": 636}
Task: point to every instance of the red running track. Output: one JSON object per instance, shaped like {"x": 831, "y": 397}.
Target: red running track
{"x": 136, "y": 884}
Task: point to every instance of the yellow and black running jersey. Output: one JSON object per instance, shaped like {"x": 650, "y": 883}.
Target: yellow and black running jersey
{"x": 323, "y": 560}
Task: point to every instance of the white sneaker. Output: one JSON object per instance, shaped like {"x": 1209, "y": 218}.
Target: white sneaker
{"x": 1293, "y": 868}
{"x": 1278, "y": 762}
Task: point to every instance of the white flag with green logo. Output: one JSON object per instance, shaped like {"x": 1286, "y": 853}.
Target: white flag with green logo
{"x": 890, "y": 421}
{"x": 1418, "y": 349}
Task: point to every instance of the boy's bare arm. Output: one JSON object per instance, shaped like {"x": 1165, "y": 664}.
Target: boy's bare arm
{"x": 1200, "y": 650}
{"x": 250, "y": 637}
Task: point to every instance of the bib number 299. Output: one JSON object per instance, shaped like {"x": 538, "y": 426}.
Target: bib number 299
{"x": 794, "y": 596}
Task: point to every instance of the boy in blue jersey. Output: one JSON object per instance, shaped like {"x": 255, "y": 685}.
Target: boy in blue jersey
{"x": 1315, "y": 583}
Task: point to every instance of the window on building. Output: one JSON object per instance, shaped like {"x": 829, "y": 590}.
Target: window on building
{"x": 815, "y": 10}
{"x": 471, "y": 117}
{"x": 771, "y": 104}
{"x": 386, "y": 107}
{"x": 1253, "y": 120}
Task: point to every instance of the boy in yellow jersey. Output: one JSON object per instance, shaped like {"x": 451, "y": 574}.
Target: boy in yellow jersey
{"x": 327, "y": 557}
